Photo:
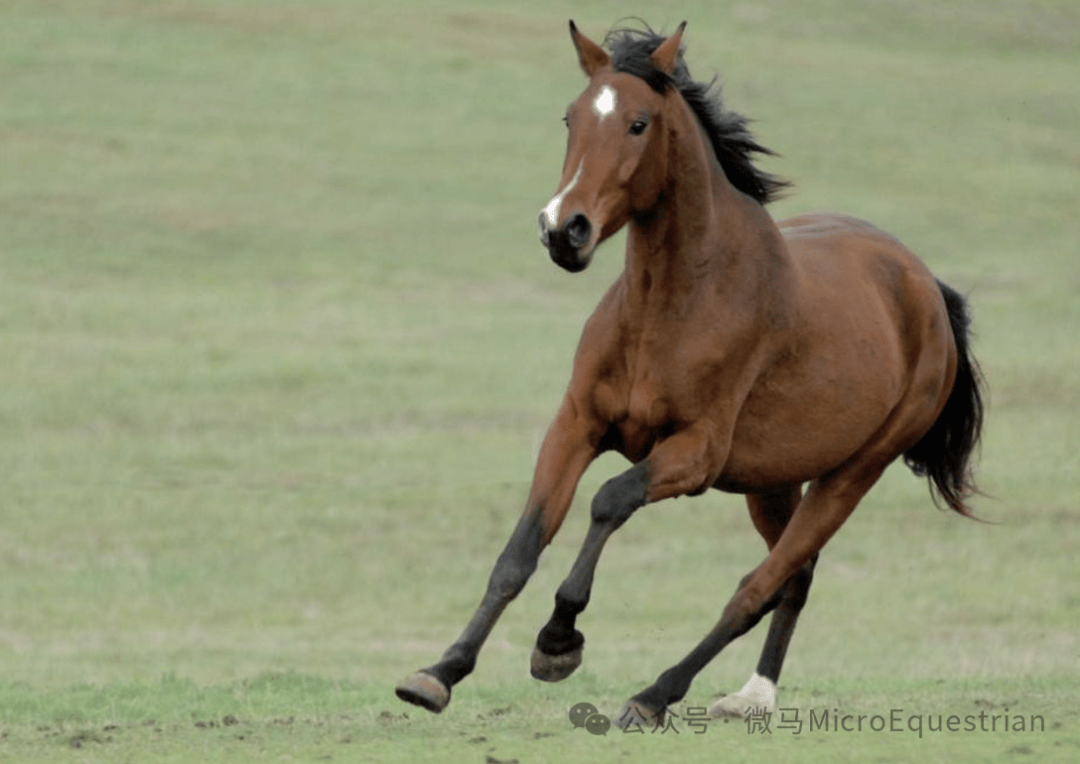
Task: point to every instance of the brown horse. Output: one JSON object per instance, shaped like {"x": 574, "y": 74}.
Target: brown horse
{"x": 732, "y": 353}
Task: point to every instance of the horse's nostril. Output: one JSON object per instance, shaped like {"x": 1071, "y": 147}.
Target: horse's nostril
{"x": 578, "y": 230}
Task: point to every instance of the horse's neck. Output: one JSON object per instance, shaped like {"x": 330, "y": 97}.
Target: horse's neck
{"x": 706, "y": 245}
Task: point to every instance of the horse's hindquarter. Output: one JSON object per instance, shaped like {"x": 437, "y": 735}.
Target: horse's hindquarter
{"x": 866, "y": 333}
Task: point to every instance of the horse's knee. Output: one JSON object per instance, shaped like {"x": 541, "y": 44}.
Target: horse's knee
{"x": 509, "y": 576}
{"x": 517, "y": 562}
{"x": 621, "y": 496}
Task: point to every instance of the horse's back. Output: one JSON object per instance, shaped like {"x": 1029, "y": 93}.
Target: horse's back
{"x": 849, "y": 265}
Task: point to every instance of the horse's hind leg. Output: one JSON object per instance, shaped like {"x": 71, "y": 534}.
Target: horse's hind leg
{"x": 821, "y": 512}
{"x": 770, "y": 514}
{"x": 759, "y": 693}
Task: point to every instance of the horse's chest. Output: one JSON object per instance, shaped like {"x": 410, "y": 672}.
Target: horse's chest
{"x": 646, "y": 414}
{"x": 647, "y": 406}
{"x": 646, "y": 392}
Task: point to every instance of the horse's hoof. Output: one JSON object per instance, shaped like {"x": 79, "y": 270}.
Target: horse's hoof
{"x": 637, "y": 714}
{"x": 731, "y": 707}
{"x": 735, "y": 707}
{"x": 554, "y": 668}
{"x": 424, "y": 690}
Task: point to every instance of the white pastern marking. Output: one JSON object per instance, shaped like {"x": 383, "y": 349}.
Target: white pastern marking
{"x": 604, "y": 103}
{"x": 551, "y": 211}
{"x": 760, "y": 691}
{"x": 757, "y": 695}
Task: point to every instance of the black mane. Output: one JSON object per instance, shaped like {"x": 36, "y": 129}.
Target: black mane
{"x": 731, "y": 140}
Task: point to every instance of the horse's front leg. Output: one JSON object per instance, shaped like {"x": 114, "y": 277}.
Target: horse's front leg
{"x": 681, "y": 464}
{"x": 569, "y": 447}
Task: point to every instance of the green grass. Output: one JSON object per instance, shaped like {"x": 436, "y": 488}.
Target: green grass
{"x": 278, "y": 346}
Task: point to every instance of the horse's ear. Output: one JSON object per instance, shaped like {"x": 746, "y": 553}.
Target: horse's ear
{"x": 666, "y": 57}
{"x": 591, "y": 56}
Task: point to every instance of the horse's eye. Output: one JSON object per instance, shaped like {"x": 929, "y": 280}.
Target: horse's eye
{"x": 566, "y": 120}
{"x": 638, "y": 127}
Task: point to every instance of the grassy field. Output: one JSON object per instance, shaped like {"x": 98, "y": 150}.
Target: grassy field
{"x": 278, "y": 345}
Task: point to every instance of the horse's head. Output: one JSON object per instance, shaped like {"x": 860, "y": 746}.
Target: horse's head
{"x": 616, "y": 153}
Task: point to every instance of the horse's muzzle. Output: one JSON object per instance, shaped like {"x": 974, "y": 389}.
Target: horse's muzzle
{"x": 568, "y": 244}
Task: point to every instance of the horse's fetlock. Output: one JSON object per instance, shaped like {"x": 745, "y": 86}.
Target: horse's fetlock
{"x": 570, "y": 603}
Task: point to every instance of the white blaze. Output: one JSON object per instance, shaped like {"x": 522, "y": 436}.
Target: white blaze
{"x": 551, "y": 211}
{"x": 604, "y": 103}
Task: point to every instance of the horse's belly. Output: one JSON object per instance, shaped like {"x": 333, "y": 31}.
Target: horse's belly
{"x": 802, "y": 427}
{"x": 757, "y": 465}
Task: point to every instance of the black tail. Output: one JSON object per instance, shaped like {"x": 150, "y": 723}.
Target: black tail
{"x": 943, "y": 454}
